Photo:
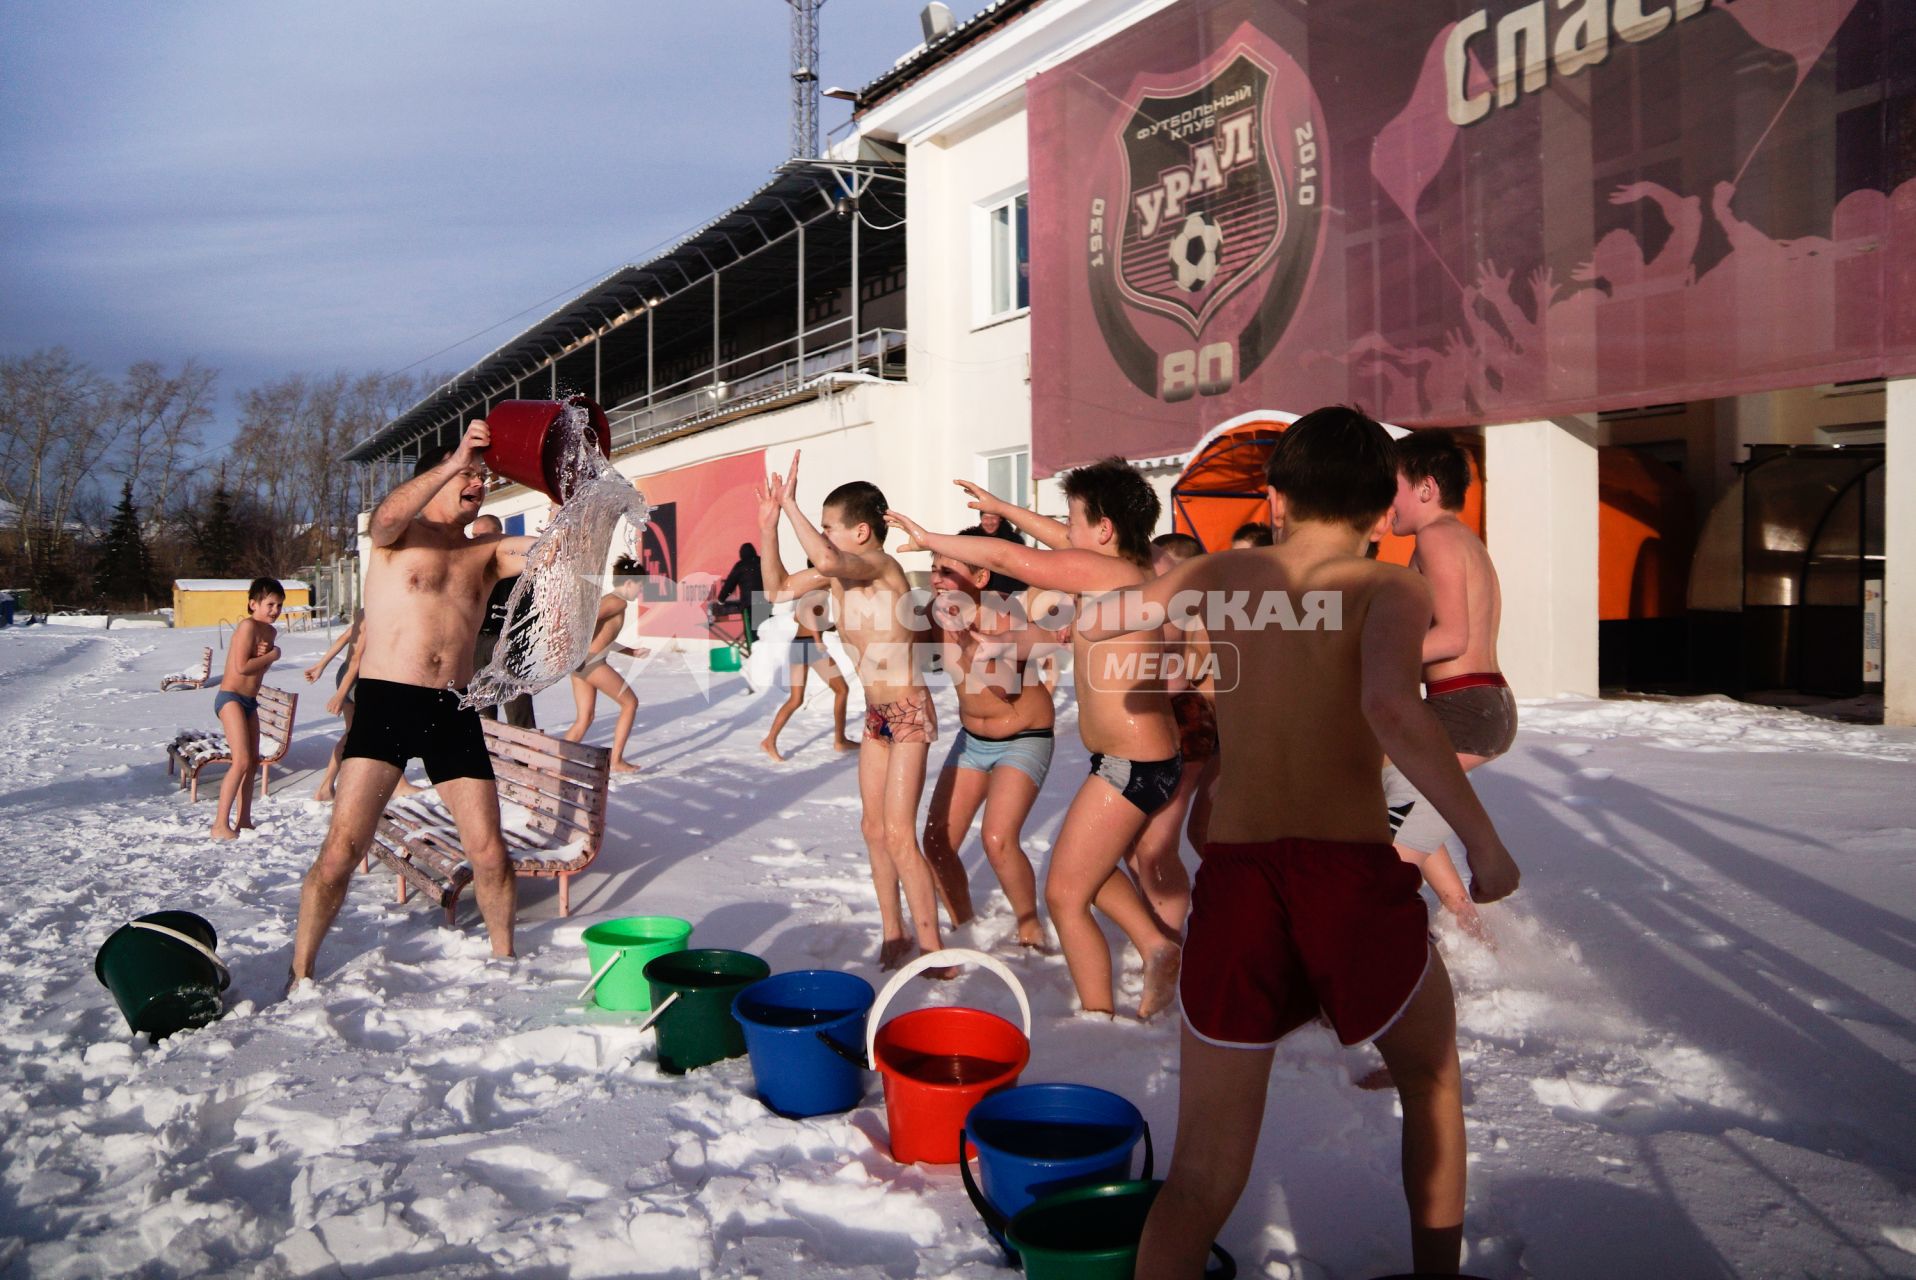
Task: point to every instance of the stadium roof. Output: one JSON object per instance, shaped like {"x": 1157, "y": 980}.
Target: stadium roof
{"x": 798, "y": 192}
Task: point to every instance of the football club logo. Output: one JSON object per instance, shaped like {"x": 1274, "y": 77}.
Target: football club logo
{"x": 1204, "y": 225}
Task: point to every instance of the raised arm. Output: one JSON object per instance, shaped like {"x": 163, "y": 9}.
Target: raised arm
{"x": 827, "y": 559}
{"x": 1074, "y": 571}
{"x": 1041, "y": 529}
{"x": 771, "y": 499}
{"x": 1144, "y": 607}
{"x": 395, "y": 514}
{"x": 346, "y": 637}
{"x": 1390, "y": 651}
{"x": 509, "y": 555}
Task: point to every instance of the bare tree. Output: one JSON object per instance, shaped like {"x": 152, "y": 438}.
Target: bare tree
{"x": 56, "y": 426}
{"x": 162, "y": 415}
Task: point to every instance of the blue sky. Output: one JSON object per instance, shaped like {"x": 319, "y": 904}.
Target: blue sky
{"x": 280, "y": 188}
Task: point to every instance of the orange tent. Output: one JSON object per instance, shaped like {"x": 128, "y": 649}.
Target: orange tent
{"x": 1223, "y": 484}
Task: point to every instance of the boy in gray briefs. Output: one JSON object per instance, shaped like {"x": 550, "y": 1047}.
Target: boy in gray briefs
{"x": 1462, "y": 684}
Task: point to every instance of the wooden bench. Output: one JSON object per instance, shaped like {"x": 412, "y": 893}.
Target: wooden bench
{"x": 186, "y": 679}
{"x": 192, "y": 750}
{"x": 552, "y": 799}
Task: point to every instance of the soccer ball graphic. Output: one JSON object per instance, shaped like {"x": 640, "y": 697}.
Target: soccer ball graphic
{"x": 1194, "y": 250}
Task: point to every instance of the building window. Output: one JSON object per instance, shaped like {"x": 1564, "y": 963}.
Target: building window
{"x": 1008, "y": 237}
{"x": 1008, "y": 476}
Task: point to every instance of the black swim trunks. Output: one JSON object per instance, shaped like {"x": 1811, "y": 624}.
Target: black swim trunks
{"x": 1148, "y": 784}
{"x": 399, "y": 722}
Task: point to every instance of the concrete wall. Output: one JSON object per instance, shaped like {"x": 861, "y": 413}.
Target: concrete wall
{"x": 1540, "y": 523}
{"x": 1899, "y": 555}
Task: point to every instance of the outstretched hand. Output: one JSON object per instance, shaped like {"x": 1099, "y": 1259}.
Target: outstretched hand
{"x": 983, "y": 500}
{"x": 771, "y": 497}
{"x": 313, "y": 672}
{"x": 912, "y": 530}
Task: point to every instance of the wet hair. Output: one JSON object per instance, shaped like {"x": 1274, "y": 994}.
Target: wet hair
{"x": 430, "y": 457}
{"x": 627, "y": 567}
{"x": 1181, "y": 545}
{"x": 861, "y": 502}
{"x": 1112, "y": 489}
{"x": 1436, "y": 456}
{"x": 1336, "y": 465}
{"x": 263, "y": 587}
{"x": 1254, "y": 532}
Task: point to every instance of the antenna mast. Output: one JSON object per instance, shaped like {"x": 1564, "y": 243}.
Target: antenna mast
{"x": 805, "y": 77}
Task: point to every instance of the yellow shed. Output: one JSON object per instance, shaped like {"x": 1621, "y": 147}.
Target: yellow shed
{"x": 207, "y": 602}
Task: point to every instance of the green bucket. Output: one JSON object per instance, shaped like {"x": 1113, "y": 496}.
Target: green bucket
{"x": 162, "y": 972}
{"x": 698, "y": 1027}
{"x": 1091, "y": 1233}
{"x": 635, "y": 940}
{"x": 724, "y": 658}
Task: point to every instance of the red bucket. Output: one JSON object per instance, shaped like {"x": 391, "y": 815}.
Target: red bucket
{"x": 525, "y": 446}
{"x": 937, "y": 1063}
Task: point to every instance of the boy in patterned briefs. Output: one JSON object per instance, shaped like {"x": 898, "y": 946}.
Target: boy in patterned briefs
{"x": 1301, "y": 909}
{"x": 847, "y": 551}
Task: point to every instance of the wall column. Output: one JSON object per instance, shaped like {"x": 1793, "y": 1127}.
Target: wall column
{"x": 1899, "y": 554}
{"x": 1540, "y": 522}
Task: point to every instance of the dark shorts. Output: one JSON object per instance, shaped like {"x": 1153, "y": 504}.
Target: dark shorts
{"x": 1477, "y": 711}
{"x": 1285, "y": 930}
{"x": 397, "y": 722}
{"x": 247, "y": 704}
{"x": 1148, "y": 784}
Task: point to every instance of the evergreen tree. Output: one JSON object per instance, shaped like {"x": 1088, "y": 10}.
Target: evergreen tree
{"x": 216, "y": 540}
{"x": 125, "y": 571}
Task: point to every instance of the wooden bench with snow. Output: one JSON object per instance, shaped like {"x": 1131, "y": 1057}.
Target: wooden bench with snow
{"x": 552, "y": 799}
{"x": 190, "y": 679}
{"x": 194, "y": 749}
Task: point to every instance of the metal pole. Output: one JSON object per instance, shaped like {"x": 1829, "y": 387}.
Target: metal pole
{"x": 597, "y": 343}
{"x": 801, "y": 301}
{"x": 553, "y": 385}
{"x": 856, "y": 219}
{"x": 715, "y": 327}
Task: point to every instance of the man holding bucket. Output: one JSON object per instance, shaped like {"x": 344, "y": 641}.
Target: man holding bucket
{"x": 426, "y": 590}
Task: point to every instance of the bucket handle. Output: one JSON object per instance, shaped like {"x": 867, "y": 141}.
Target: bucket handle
{"x": 996, "y": 1222}
{"x": 226, "y": 975}
{"x": 935, "y": 960}
{"x": 848, "y": 1052}
{"x": 657, "y": 1010}
{"x": 586, "y": 990}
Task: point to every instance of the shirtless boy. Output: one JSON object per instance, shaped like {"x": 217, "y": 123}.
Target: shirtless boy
{"x": 1123, "y": 717}
{"x": 426, "y": 588}
{"x": 1301, "y": 906}
{"x": 1004, "y": 746}
{"x": 813, "y": 614}
{"x": 596, "y": 674}
{"x": 847, "y": 552}
{"x": 237, "y": 703}
{"x": 1462, "y": 682}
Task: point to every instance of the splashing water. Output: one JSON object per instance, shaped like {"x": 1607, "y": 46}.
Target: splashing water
{"x": 552, "y": 610}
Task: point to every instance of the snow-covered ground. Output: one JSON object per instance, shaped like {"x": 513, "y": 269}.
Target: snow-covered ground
{"x": 1691, "y": 1055}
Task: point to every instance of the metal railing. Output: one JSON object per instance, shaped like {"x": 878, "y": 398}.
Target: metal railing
{"x": 711, "y": 392}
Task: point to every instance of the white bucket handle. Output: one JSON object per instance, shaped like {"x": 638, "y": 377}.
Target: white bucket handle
{"x": 226, "y": 975}
{"x": 937, "y": 960}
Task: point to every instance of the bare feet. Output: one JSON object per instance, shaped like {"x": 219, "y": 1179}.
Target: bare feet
{"x": 623, "y": 766}
{"x": 1375, "y": 1080}
{"x": 223, "y": 832}
{"x": 1160, "y": 979}
{"x": 246, "y": 824}
{"x": 1031, "y": 934}
{"x": 771, "y": 749}
{"x": 844, "y": 744}
{"x": 892, "y": 952}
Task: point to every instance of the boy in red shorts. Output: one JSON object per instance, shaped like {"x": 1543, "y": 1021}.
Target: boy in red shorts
{"x": 1301, "y": 907}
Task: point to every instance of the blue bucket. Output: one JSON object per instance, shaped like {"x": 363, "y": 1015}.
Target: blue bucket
{"x": 1036, "y": 1140}
{"x": 805, "y": 1033}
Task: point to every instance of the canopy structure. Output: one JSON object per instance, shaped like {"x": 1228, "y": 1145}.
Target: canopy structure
{"x": 1223, "y": 484}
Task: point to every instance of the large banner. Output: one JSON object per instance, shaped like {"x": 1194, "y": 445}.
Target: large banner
{"x": 701, "y": 515}
{"x": 1453, "y": 213}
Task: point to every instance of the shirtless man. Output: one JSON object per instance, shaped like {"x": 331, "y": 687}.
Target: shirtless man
{"x": 867, "y": 587}
{"x": 426, "y": 588}
{"x": 1462, "y": 682}
{"x": 596, "y": 674}
{"x": 1004, "y": 748}
{"x": 1124, "y": 717}
{"x": 812, "y": 614}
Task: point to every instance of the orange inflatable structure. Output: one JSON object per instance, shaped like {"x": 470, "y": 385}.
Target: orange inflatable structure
{"x": 1223, "y": 484}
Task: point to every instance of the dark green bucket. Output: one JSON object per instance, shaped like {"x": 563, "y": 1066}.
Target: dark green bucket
{"x": 698, "y": 1027}
{"x": 162, "y": 982}
{"x": 1091, "y": 1233}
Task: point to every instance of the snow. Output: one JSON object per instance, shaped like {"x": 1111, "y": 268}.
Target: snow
{"x": 1690, "y": 1055}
